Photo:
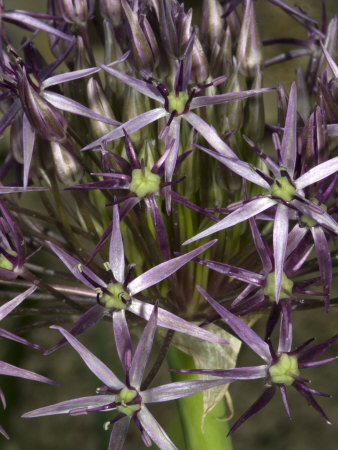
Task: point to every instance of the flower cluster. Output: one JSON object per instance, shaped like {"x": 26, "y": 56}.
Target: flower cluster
{"x": 144, "y": 132}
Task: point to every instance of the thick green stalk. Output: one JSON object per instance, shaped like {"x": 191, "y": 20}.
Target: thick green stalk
{"x": 191, "y": 410}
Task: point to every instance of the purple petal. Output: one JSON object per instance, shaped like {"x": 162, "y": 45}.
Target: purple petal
{"x": 119, "y": 433}
{"x": 69, "y": 105}
{"x": 22, "y": 18}
{"x": 317, "y": 173}
{"x": 77, "y": 268}
{"x": 166, "y": 319}
{"x": 12, "y": 304}
{"x": 3, "y": 432}
{"x": 179, "y": 389}
{"x": 102, "y": 372}
{"x": 242, "y": 330}
{"x": 70, "y": 405}
{"x": 13, "y": 337}
{"x": 284, "y": 398}
{"x": 261, "y": 246}
{"x": 231, "y": 271}
{"x": 206, "y": 100}
{"x": 324, "y": 262}
{"x": 323, "y": 219}
{"x": 143, "y": 349}
{"x": 129, "y": 127}
{"x": 159, "y": 227}
{"x": 259, "y": 404}
{"x": 313, "y": 352}
{"x": 295, "y": 236}
{"x": 28, "y": 135}
{"x": 285, "y": 336}
{"x": 280, "y": 238}
{"x": 122, "y": 338}
{"x": 13, "y": 371}
{"x": 289, "y": 141}
{"x": 16, "y": 189}
{"x": 238, "y": 373}
{"x": 9, "y": 115}
{"x": 83, "y": 324}
{"x": 188, "y": 204}
{"x": 248, "y": 210}
{"x": 173, "y": 136}
{"x": 138, "y": 85}
{"x": 154, "y": 429}
{"x": 164, "y": 270}
{"x": 116, "y": 252}
{"x": 310, "y": 400}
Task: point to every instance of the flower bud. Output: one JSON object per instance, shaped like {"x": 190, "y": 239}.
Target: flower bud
{"x": 211, "y": 22}
{"x": 200, "y": 67}
{"x": 249, "y": 48}
{"x": 68, "y": 169}
{"x": 99, "y": 104}
{"x": 221, "y": 56}
{"x": 76, "y": 11}
{"x": 254, "y": 122}
{"x": 112, "y": 10}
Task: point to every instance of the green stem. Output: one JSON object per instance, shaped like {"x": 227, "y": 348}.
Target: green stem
{"x": 191, "y": 411}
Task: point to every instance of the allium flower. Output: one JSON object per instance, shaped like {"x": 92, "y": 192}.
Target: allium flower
{"x": 41, "y": 107}
{"x": 280, "y": 370}
{"x": 8, "y": 369}
{"x": 285, "y": 192}
{"x": 118, "y": 296}
{"x": 127, "y": 398}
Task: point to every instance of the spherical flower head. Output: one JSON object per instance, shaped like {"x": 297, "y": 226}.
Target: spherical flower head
{"x": 285, "y": 370}
{"x": 283, "y": 189}
{"x": 116, "y": 298}
{"x": 269, "y": 289}
{"x": 125, "y": 397}
{"x": 177, "y": 102}
{"x": 144, "y": 182}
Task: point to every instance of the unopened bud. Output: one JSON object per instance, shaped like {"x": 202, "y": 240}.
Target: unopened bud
{"x": 254, "y": 122}
{"x": 78, "y": 12}
{"x": 200, "y": 68}
{"x": 211, "y": 22}
{"x": 249, "y": 48}
{"x": 99, "y": 104}
{"x": 68, "y": 169}
{"x": 112, "y": 10}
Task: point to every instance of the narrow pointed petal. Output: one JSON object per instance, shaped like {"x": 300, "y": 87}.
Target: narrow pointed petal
{"x": 206, "y": 100}
{"x": 168, "y": 320}
{"x": 21, "y": 17}
{"x": 172, "y": 136}
{"x": 77, "y": 74}
{"x": 3, "y": 432}
{"x": 285, "y": 400}
{"x": 138, "y": 85}
{"x": 129, "y": 127}
{"x": 237, "y": 373}
{"x": 122, "y": 338}
{"x": 12, "y": 304}
{"x": 164, "y": 270}
{"x": 83, "y": 324}
{"x": 259, "y": 404}
{"x": 8, "y": 335}
{"x": 28, "y": 135}
{"x": 16, "y": 189}
{"x": 311, "y": 353}
{"x": 280, "y": 238}
{"x": 250, "y": 209}
{"x": 142, "y": 351}
{"x": 188, "y": 204}
{"x": 77, "y": 268}
{"x": 13, "y": 371}
{"x": 70, "y": 405}
{"x": 119, "y": 433}
{"x": 295, "y": 236}
{"x": 260, "y": 246}
{"x": 231, "y": 271}
{"x": 116, "y": 251}
{"x": 242, "y": 330}
{"x": 9, "y": 115}
{"x": 69, "y": 105}
{"x": 311, "y": 401}
{"x": 330, "y": 61}
{"x": 159, "y": 227}
{"x": 324, "y": 262}
{"x": 317, "y": 173}
{"x": 102, "y": 372}
{"x": 289, "y": 141}
{"x": 179, "y": 389}
{"x": 154, "y": 429}
{"x": 285, "y": 336}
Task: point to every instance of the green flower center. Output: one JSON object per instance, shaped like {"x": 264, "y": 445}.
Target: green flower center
{"x": 124, "y": 397}
{"x": 284, "y": 370}
{"x": 283, "y": 189}
{"x": 270, "y": 291}
{"x": 144, "y": 183}
{"x": 117, "y": 297}
{"x": 177, "y": 103}
{"x": 5, "y": 263}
